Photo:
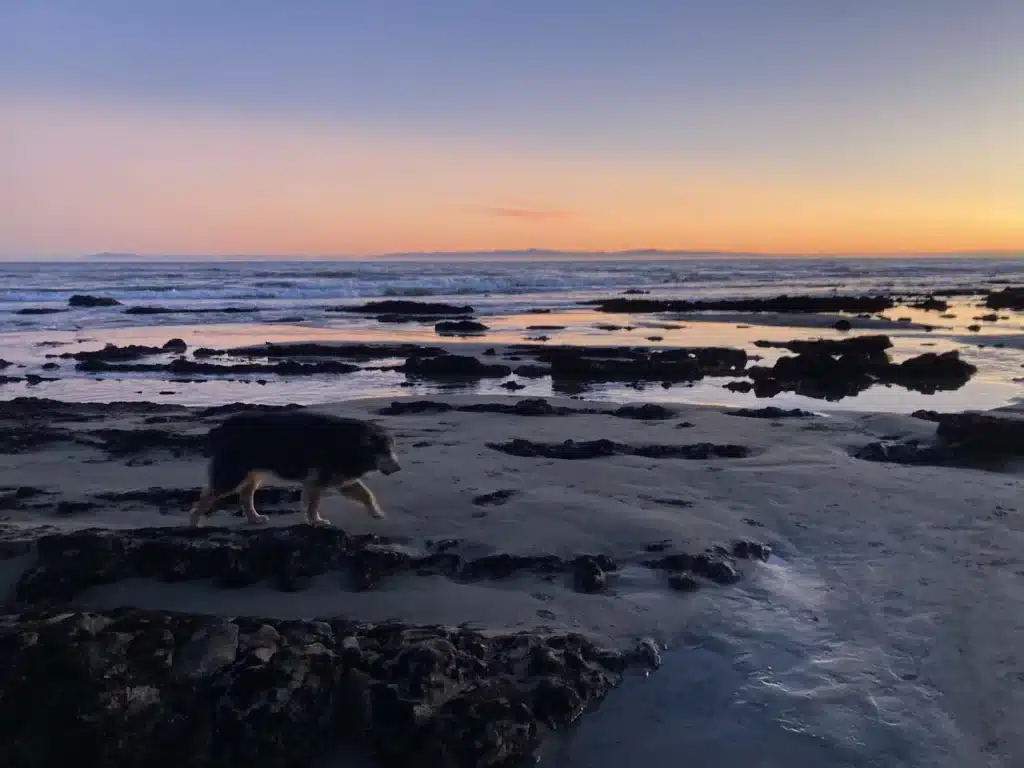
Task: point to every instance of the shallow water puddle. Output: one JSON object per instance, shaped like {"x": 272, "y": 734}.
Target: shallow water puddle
{"x": 764, "y": 682}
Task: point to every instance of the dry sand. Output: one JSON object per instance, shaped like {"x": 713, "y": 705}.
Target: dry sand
{"x": 886, "y": 630}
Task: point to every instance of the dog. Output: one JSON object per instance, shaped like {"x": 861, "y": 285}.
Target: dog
{"x": 318, "y": 450}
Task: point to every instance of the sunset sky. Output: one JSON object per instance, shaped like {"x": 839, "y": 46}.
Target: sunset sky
{"x": 345, "y": 127}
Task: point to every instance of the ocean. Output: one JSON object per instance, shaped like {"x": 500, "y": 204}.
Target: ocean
{"x": 230, "y": 303}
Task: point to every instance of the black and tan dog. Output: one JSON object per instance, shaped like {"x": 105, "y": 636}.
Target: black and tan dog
{"x": 318, "y": 450}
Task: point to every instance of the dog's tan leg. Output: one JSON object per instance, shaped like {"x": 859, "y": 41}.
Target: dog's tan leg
{"x": 204, "y": 506}
{"x": 247, "y": 498}
{"x": 358, "y": 491}
{"x": 312, "y": 494}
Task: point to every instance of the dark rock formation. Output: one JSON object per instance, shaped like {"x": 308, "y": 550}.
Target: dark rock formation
{"x": 931, "y": 304}
{"x": 771, "y": 412}
{"x": 984, "y": 434}
{"x": 794, "y": 304}
{"x": 403, "y": 407}
{"x": 185, "y": 367}
{"x": 592, "y": 449}
{"x": 403, "y": 307}
{"x": 150, "y": 689}
{"x": 39, "y": 311}
{"x": 903, "y": 452}
{"x": 843, "y": 325}
{"x": 453, "y": 367}
{"x": 1008, "y": 298}
{"x": 114, "y": 353}
{"x": 647, "y": 412}
{"x": 495, "y": 498}
{"x": 858, "y": 345}
{"x": 312, "y": 349}
{"x": 455, "y": 327}
{"x": 85, "y": 300}
{"x": 177, "y": 346}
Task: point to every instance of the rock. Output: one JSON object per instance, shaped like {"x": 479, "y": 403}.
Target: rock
{"x": 751, "y": 550}
{"x": 39, "y": 311}
{"x": 925, "y": 415}
{"x": 843, "y": 325}
{"x": 208, "y": 651}
{"x": 974, "y": 328}
{"x": 932, "y": 304}
{"x": 792, "y": 304}
{"x": 588, "y": 575}
{"x": 1008, "y": 298}
{"x": 453, "y": 366}
{"x": 403, "y": 307}
{"x": 148, "y": 310}
{"x": 531, "y": 371}
{"x": 402, "y": 407}
{"x": 983, "y": 434}
{"x": 867, "y": 346}
{"x": 178, "y": 346}
{"x": 714, "y": 569}
{"x": 683, "y": 582}
{"x": 739, "y": 386}
{"x": 771, "y": 412}
{"x": 495, "y": 498}
{"x": 635, "y": 292}
{"x": 265, "y": 692}
{"x": 545, "y": 327}
{"x": 902, "y": 452}
{"x": 513, "y": 386}
{"x": 460, "y": 327}
{"x": 185, "y": 367}
{"x": 647, "y": 654}
{"x": 85, "y": 300}
{"x": 647, "y": 412}
{"x": 990, "y": 318}
{"x": 114, "y": 353}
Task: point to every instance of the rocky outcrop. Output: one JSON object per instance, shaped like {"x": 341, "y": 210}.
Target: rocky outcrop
{"x": 185, "y": 367}
{"x": 824, "y": 376}
{"x": 312, "y": 349}
{"x": 771, "y": 412}
{"x": 1008, "y": 298}
{"x": 87, "y": 301}
{"x": 991, "y": 433}
{"x": 150, "y": 310}
{"x": 458, "y": 327}
{"x": 866, "y": 346}
{"x": 453, "y": 367}
{"x": 142, "y": 689}
{"x": 793, "y": 304}
{"x": 114, "y": 353}
{"x": 404, "y": 307}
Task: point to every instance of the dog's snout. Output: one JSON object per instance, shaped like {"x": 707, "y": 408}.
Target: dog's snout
{"x": 389, "y": 465}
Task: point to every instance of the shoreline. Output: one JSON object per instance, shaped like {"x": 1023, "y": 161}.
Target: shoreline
{"x": 873, "y": 573}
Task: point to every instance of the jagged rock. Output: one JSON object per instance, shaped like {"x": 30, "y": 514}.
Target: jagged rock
{"x": 683, "y": 582}
{"x": 85, "y": 300}
{"x": 268, "y": 693}
{"x": 749, "y": 550}
{"x": 588, "y": 575}
{"x": 113, "y": 353}
{"x": 794, "y": 304}
{"x": 453, "y": 367}
{"x": 903, "y": 452}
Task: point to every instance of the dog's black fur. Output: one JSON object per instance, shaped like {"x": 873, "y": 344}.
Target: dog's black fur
{"x": 316, "y": 449}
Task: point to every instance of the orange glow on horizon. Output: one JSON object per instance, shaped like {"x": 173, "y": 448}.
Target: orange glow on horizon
{"x": 89, "y": 178}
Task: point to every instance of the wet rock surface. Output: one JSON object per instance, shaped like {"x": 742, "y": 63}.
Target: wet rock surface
{"x": 828, "y": 377}
{"x": 158, "y": 310}
{"x": 457, "y": 327}
{"x": 533, "y": 406}
{"x": 771, "y": 412}
{"x": 87, "y": 301}
{"x": 1008, "y": 298}
{"x": 138, "y": 688}
{"x": 858, "y": 345}
{"x": 453, "y": 367}
{"x": 114, "y": 353}
{"x": 185, "y": 367}
{"x": 403, "y": 307}
{"x": 593, "y": 449}
{"x": 312, "y": 349}
{"x": 793, "y": 304}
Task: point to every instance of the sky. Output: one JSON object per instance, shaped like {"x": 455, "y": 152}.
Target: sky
{"x": 345, "y": 127}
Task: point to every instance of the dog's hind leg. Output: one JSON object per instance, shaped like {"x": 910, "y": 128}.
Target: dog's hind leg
{"x": 358, "y": 491}
{"x": 312, "y": 493}
{"x": 204, "y": 506}
{"x": 247, "y": 498}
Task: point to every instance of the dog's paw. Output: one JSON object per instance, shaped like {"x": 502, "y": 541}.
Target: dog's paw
{"x": 194, "y": 521}
{"x": 321, "y": 523}
{"x": 377, "y": 514}
{"x": 258, "y": 520}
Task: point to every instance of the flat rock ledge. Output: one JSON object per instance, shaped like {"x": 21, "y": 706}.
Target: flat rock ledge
{"x": 143, "y": 688}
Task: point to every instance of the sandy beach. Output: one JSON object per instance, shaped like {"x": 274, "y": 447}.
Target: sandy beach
{"x": 882, "y": 629}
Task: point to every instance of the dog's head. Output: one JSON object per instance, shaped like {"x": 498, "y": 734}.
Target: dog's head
{"x": 382, "y": 447}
